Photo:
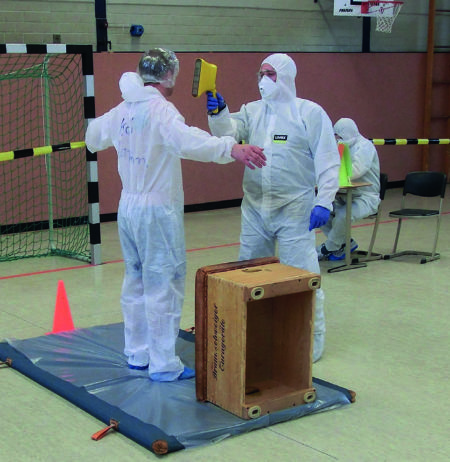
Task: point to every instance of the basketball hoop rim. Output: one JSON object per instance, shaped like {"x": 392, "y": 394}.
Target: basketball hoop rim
{"x": 384, "y": 24}
{"x": 395, "y": 2}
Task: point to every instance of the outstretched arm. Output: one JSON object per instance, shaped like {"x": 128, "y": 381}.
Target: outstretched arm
{"x": 251, "y": 156}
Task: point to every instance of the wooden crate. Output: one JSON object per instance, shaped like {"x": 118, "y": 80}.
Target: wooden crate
{"x": 254, "y": 336}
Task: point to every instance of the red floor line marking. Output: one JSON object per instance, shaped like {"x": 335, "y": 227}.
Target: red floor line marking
{"x": 188, "y": 250}
{"x": 56, "y": 270}
{"x": 213, "y": 247}
{"x": 362, "y": 225}
{"x": 44, "y": 272}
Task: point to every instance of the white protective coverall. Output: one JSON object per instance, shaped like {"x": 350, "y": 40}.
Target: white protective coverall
{"x": 299, "y": 144}
{"x": 150, "y": 137}
{"x": 365, "y": 168}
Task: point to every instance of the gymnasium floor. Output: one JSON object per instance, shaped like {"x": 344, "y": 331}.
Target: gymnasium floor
{"x": 387, "y": 339}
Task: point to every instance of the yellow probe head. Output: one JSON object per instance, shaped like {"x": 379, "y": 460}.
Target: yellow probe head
{"x": 204, "y": 78}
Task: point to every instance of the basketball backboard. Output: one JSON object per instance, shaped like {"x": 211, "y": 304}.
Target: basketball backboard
{"x": 365, "y": 8}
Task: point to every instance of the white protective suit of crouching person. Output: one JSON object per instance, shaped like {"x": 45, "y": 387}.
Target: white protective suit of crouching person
{"x": 150, "y": 137}
{"x": 279, "y": 203}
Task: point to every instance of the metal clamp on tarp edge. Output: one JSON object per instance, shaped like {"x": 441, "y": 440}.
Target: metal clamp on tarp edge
{"x": 8, "y": 362}
{"x": 113, "y": 425}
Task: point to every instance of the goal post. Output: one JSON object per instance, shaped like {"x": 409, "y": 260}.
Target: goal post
{"x": 50, "y": 201}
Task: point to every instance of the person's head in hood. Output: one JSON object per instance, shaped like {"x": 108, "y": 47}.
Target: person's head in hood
{"x": 159, "y": 66}
{"x": 346, "y": 130}
{"x": 277, "y": 78}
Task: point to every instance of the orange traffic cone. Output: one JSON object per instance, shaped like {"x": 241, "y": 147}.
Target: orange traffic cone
{"x": 62, "y": 320}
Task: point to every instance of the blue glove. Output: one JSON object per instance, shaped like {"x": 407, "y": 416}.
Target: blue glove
{"x": 319, "y": 216}
{"x": 215, "y": 103}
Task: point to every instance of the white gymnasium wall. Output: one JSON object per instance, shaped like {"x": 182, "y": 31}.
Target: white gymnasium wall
{"x": 217, "y": 25}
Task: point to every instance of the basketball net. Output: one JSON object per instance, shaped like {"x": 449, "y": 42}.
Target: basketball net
{"x": 384, "y": 23}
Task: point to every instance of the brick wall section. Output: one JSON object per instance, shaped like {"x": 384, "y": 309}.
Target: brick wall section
{"x": 38, "y": 21}
{"x": 229, "y": 25}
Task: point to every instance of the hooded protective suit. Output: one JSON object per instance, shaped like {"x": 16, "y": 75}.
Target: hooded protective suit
{"x": 299, "y": 144}
{"x": 150, "y": 138}
{"x": 366, "y": 169}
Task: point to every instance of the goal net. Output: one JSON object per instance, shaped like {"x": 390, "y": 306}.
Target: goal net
{"x": 49, "y": 203}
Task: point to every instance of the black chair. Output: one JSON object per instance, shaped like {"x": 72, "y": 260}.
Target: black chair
{"x": 368, "y": 255}
{"x": 425, "y": 185}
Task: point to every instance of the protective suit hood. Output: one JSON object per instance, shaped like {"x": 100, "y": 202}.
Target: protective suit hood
{"x": 347, "y": 130}
{"x": 132, "y": 87}
{"x": 286, "y": 70}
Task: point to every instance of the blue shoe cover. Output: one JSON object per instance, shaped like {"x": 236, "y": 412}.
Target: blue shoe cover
{"x": 171, "y": 376}
{"x": 187, "y": 374}
{"x": 338, "y": 255}
{"x": 137, "y": 368}
{"x": 164, "y": 376}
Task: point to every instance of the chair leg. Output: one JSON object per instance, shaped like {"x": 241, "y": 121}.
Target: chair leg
{"x": 433, "y": 255}
{"x": 374, "y": 235}
{"x": 436, "y": 237}
{"x": 369, "y": 255}
{"x": 427, "y": 256}
{"x": 399, "y": 225}
{"x": 394, "y": 252}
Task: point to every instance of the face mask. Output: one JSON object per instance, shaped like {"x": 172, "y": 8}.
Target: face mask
{"x": 267, "y": 88}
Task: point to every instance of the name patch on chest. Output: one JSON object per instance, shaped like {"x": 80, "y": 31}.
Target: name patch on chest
{"x": 280, "y": 139}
